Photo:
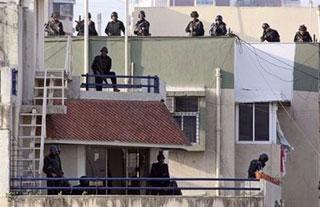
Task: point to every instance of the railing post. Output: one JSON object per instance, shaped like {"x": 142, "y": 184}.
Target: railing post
{"x": 20, "y": 185}
{"x": 96, "y": 185}
{"x": 87, "y": 81}
{"x": 149, "y": 83}
{"x": 156, "y": 84}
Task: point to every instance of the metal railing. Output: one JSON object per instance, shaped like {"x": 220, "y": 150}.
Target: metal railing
{"x": 152, "y": 82}
{"x": 20, "y": 187}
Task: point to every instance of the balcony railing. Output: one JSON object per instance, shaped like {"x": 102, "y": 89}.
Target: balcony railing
{"x": 24, "y": 185}
{"x": 150, "y": 83}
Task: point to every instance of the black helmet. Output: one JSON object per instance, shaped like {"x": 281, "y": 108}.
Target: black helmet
{"x": 55, "y": 14}
{"x": 89, "y": 15}
{"x": 160, "y": 156}
{"x": 105, "y": 49}
{"x": 302, "y": 28}
{"x": 263, "y": 157}
{"x": 265, "y": 26}
{"x": 83, "y": 181}
{"x": 54, "y": 149}
{"x": 194, "y": 14}
{"x": 219, "y": 17}
{"x": 142, "y": 13}
{"x": 114, "y": 14}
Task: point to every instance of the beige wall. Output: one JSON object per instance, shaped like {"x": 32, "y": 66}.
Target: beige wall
{"x": 243, "y": 21}
{"x": 300, "y": 184}
{"x": 72, "y": 160}
{"x": 247, "y": 152}
{"x": 203, "y": 164}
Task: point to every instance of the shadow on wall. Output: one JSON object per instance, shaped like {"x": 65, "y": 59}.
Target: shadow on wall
{"x": 306, "y": 68}
{"x": 3, "y": 58}
{"x": 136, "y": 56}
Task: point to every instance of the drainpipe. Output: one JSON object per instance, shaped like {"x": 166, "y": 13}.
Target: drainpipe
{"x": 218, "y": 129}
{"x": 318, "y": 13}
{"x": 126, "y": 67}
{"x": 86, "y": 38}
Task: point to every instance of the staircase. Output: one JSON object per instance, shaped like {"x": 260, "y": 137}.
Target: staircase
{"x": 27, "y": 151}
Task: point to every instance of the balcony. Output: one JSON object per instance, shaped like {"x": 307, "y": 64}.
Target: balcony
{"x": 134, "y": 88}
{"x": 253, "y": 193}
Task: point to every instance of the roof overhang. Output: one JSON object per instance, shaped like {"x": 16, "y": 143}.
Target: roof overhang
{"x": 115, "y": 144}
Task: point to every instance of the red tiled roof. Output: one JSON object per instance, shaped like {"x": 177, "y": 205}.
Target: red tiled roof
{"x": 145, "y": 122}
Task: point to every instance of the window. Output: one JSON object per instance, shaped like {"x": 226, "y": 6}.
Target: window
{"x": 204, "y": 2}
{"x": 254, "y": 122}
{"x": 181, "y": 2}
{"x": 185, "y": 110}
{"x": 161, "y": 3}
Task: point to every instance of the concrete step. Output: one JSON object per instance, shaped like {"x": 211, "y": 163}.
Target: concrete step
{"x": 30, "y": 125}
{"x": 28, "y": 148}
{"x": 30, "y": 114}
{"x": 29, "y": 137}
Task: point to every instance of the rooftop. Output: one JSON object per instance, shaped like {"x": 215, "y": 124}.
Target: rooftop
{"x": 110, "y": 122}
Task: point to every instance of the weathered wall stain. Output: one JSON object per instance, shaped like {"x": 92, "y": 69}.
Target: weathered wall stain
{"x": 135, "y": 201}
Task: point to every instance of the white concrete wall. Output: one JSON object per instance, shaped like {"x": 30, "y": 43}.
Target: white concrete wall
{"x": 264, "y": 72}
{"x": 5, "y": 165}
{"x": 243, "y": 21}
{"x": 5, "y": 85}
{"x": 9, "y": 52}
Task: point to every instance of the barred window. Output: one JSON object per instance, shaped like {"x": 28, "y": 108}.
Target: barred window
{"x": 185, "y": 110}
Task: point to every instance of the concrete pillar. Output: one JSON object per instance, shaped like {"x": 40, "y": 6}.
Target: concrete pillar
{"x": 40, "y": 16}
{"x": 81, "y": 151}
{"x": 5, "y": 165}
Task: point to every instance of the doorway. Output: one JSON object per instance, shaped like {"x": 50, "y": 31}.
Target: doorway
{"x": 96, "y": 166}
{"x": 128, "y": 162}
{"x": 118, "y": 162}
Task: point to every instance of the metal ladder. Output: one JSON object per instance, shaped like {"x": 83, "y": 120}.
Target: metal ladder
{"x": 56, "y": 84}
{"x": 27, "y": 151}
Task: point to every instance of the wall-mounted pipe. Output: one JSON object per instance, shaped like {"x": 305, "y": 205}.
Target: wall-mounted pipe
{"x": 86, "y": 37}
{"x": 218, "y": 125}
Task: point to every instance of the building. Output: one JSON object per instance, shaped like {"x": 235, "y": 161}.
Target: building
{"x": 245, "y": 22}
{"x": 280, "y": 79}
{"x": 65, "y": 9}
{"x": 219, "y": 91}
